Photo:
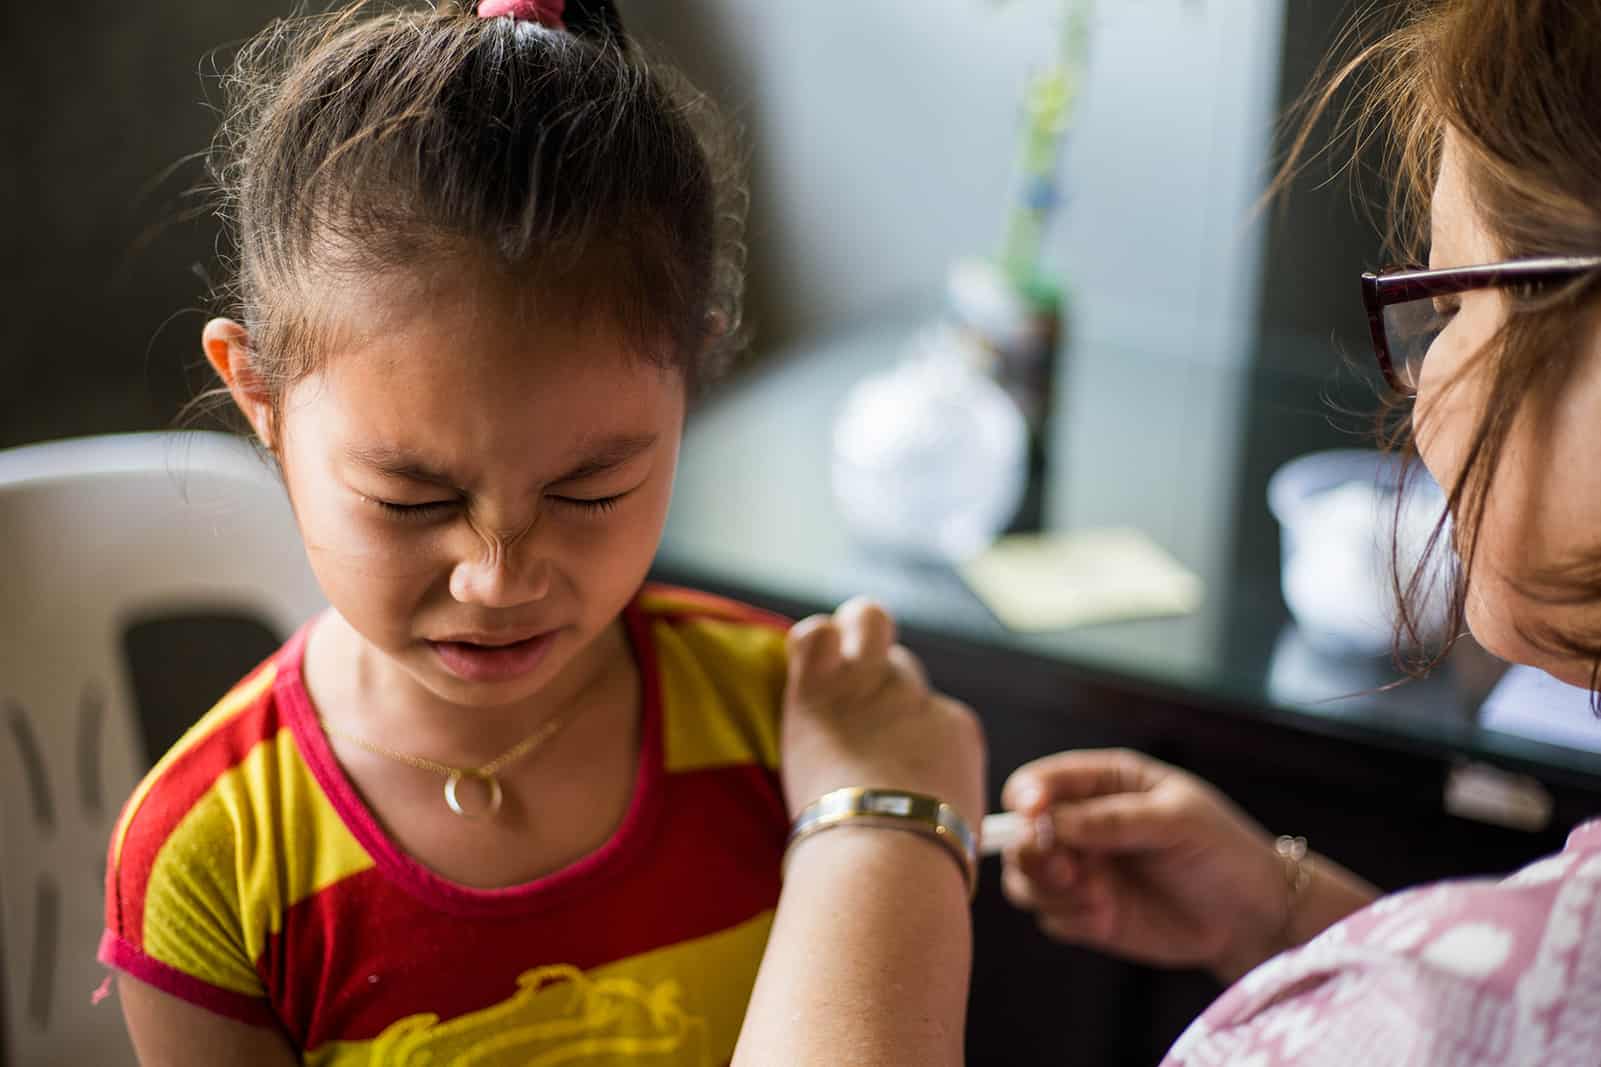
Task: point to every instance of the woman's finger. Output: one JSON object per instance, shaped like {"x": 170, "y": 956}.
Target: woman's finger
{"x": 863, "y": 669}
{"x": 1062, "y": 916}
{"x": 1078, "y": 775}
{"x": 908, "y": 665}
{"x": 1042, "y": 882}
{"x": 814, "y": 651}
{"x": 1055, "y": 870}
{"x": 866, "y": 629}
{"x": 1019, "y": 889}
{"x": 1123, "y": 822}
{"x": 1082, "y": 924}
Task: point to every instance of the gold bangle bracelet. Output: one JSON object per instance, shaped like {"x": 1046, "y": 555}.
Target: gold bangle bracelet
{"x": 892, "y": 810}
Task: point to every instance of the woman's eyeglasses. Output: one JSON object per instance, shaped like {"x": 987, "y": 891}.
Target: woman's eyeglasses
{"x": 1409, "y": 306}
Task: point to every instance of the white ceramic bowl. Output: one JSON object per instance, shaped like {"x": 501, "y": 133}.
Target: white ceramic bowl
{"x": 1342, "y": 543}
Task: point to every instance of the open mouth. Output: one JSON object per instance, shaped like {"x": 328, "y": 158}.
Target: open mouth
{"x": 482, "y": 662}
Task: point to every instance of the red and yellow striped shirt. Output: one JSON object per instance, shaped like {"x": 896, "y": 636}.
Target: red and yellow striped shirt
{"x": 246, "y": 876}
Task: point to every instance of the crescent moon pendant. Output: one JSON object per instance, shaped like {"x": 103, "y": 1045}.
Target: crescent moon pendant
{"x": 491, "y": 783}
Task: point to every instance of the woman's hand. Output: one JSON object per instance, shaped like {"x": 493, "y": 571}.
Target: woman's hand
{"x": 883, "y": 980}
{"x": 858, "y": 712}
{"x": 1151, "y": 863}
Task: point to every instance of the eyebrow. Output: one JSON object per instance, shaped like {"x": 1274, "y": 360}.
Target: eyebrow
{"x": 394, "y": 463}
{"x": 603, "y": 456}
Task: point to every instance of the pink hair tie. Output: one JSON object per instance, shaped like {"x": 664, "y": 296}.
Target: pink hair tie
{"x": 545, "y": 12}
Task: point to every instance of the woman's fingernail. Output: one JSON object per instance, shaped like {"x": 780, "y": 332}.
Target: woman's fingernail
{"x": 1027, "y": 796}
{"x": 1044, "y": 832}
{"x": 1060, "y": 870}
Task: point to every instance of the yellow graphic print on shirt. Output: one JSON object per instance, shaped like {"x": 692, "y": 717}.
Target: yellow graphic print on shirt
{"x": 630, "y": 1012}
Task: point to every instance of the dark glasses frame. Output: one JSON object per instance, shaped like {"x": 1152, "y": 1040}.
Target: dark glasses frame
{"x": 1399, "y": 285}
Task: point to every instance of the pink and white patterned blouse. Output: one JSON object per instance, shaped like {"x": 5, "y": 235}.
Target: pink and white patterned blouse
{"x": 1474, "y": 972}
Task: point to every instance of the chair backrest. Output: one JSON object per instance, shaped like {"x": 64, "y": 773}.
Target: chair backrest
{"x": 97, "y": 534}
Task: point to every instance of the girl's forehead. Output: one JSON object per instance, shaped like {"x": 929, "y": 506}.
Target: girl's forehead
{"x": 458, "y": 382}
{"x": 487, "y": 366}
{"x": 462, "y": 375}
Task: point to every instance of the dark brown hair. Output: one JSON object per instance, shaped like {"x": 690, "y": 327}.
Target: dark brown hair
{"x": 1518, "y": 85}
{"x": 424, "y": 140}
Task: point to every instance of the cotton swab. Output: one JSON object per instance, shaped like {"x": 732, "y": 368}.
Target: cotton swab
{"x": 1002, "y": 831}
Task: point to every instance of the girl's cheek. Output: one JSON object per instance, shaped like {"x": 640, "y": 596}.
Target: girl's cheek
{"x": 601, "y": 541}
{"x": 373, "y": 546}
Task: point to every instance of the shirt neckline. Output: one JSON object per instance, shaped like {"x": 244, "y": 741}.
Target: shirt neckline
{"x": 621, "y": 850}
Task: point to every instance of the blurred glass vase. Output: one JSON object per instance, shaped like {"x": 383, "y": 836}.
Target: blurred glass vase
{"x": 930, "y": 458}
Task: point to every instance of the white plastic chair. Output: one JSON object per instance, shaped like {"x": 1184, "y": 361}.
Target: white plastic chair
{"x": 95, "y": 533}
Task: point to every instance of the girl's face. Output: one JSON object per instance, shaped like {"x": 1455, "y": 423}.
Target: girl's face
{"x": 480, "y": 492}
{"x": 1544, "y": 507}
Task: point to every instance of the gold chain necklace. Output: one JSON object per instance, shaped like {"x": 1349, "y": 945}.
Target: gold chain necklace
{"x": 487, "y": 773}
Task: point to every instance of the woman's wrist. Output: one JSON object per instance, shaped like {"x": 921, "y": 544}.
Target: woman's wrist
{"x": 1332, "y": 894}
{"x": 899, "y": 811}
{"x": 1310, "y": 892}
{"x": 869, "y": 857}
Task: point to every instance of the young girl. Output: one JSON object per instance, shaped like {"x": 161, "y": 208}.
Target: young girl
{"x": 497, "y": 805}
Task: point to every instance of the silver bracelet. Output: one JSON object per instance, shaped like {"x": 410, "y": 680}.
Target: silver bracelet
{"x": 891, "y": 809}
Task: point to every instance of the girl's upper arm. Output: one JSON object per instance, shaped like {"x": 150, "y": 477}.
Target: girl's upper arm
{"x": 169, "y": 1032}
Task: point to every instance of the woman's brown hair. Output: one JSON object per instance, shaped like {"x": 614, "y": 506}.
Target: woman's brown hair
{"x": 1517, "y": 83}
{"x": 417, "y": 142}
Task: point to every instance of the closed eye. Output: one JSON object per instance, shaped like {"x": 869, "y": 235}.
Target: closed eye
{"x": 435, "y": 508}
{"x": 591, "y": 505}
{"x": 415, "y": 512}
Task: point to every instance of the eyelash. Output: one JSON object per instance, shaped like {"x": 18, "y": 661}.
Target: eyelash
{"x": 415, "y": 512}
{"x": 418, "y": 512}
{"x": 597, "y": 506}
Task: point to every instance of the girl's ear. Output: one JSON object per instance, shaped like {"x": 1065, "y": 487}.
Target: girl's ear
{"x": 227, "y": 347}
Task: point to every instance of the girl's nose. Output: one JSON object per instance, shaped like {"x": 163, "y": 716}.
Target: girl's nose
{"x": 497, "y": 574}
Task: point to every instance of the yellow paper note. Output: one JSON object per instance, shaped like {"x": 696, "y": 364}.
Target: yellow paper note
{"x": 1054, "y": 581}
